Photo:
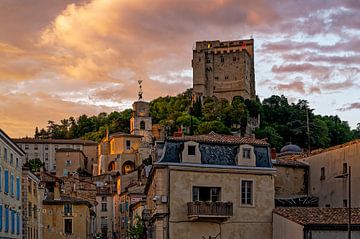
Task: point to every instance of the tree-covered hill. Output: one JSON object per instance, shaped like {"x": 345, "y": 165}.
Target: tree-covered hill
{"x": 281, "y": 122}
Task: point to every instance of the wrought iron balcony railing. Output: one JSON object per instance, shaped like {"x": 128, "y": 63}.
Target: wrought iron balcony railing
{"x": 210, "y": 210}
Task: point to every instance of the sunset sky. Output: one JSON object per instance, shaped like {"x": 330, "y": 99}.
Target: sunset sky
{"x": 61, "y": 58}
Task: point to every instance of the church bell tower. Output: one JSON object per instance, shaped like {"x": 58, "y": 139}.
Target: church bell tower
{"x": 140, "y": 122}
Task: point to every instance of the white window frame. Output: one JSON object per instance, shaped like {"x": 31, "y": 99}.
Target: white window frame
{"x": 245, "y": 149}
{"x": 252, "y": 193}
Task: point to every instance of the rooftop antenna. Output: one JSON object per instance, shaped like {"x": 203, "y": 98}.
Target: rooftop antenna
{"x": 140, "y": 90}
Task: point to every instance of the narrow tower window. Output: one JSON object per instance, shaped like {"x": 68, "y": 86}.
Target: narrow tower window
{"x": 142, "y": 125}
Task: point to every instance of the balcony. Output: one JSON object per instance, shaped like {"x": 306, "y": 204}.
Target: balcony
{"x": 210, "y": 210}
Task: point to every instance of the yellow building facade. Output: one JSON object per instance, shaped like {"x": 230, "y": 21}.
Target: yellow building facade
{"x": 66, "y": 217}
{"x": 119, "y": 152}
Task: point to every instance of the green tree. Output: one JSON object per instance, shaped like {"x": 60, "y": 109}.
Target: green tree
{"x": 138, "y": 230}
{"x": 274, "y": 139}
{"x": 34, "y": 165}
{"x": 215, "y": 126}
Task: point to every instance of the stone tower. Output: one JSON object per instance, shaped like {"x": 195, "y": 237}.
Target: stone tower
{"x": 224, "y": 69}
{"x": 140, "y": 121}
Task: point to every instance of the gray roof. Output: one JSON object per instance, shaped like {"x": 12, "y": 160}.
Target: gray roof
{"x": 213, "y": 153}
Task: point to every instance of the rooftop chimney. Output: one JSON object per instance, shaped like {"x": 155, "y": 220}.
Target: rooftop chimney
{"x": 273, "y": 153}
{"x": 57, "y": 191}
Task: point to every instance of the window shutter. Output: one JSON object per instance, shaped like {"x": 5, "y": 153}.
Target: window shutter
{"x": 1, "y": 216}
{"x": 6, "y": 219}
{"x": 6, "y": 175}
{"x": 12, "y": 222}
{"x": 12, "y": 184}
{"x": 17, "y": 188}
{"x": 18, "y": 223}
{"x": 0, "y": 180}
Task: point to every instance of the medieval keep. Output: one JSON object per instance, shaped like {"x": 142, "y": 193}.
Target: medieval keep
{"x": 224, "y": 69}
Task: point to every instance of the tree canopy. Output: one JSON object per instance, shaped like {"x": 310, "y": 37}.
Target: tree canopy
{"x": 281, "y": 122}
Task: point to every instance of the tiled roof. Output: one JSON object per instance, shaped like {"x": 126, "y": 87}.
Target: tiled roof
{"x": 66, "y": 199}
{"x": 123, "y": 134}
{"x": 291, "y": 162}
{"x": 219, "y": 139}
{"x": 315, "y": 215}
{"x": 68, "y": 150}
{"x": 319, "y": 151}
{"x": 55, "y": 141}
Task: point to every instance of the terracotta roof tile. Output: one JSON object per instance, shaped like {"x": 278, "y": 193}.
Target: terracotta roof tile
{"x": 220, "y": 139}
{"x": 315, "y": 215}
{"x": 290, "y": 162}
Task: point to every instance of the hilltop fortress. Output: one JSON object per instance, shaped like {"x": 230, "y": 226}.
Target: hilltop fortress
{"x": 224, "y": 69}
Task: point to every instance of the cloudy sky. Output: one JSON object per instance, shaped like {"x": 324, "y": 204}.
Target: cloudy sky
{"x": 61, "y": 58}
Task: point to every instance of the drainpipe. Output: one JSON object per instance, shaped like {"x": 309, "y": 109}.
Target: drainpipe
{"x": 168, "y": 205}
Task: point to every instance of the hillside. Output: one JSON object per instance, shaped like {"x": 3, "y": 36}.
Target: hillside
{"x": 281, "y": 122}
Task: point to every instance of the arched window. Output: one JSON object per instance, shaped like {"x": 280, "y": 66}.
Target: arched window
{"x": 128, "y": 167}
{"x": 111, "y": 166}
{"x": 142, "y": 125}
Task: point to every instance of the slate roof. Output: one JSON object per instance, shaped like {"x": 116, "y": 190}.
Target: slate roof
{"x": 219, "y": 139}
{"x": 314, "y": 215}
{"x": 55, "y": 141}
{"x": 216, "y": 149}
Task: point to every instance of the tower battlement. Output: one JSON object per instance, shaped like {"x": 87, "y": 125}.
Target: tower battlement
{"x": 224, "y": 69}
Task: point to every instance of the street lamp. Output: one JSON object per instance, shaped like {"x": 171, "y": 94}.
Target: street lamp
{"x": 348, "y": 175}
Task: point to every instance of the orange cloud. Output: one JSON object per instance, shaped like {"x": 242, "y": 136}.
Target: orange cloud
{"x": 62, "y": 58}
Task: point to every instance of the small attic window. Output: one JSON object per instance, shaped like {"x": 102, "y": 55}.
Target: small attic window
{"x": 246, "y": 153}
{"x": 191, "y": 150}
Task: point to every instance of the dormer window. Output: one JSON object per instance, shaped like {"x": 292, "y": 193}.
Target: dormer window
{"x": 191, "y": 149}
{"x": 128, "y": 144}
{"x": 246, "y": 153}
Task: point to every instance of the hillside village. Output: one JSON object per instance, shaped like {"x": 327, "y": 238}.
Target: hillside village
{"x": 148, "y": 182}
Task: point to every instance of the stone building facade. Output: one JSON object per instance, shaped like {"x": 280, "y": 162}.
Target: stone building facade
{"x": 70, "y": 161}
{"x": 140, "y": 121}
{"x": 224, "y": 69}
{"x": 119, "y": 152}
{"x": 11, "y": 160}
{"x": 66, "y": 216}
{"x": 33, "y": 195}
{"x": 45, "y": 150}
{"x": 325, "y": 165}
{"x": 211, "y": 186}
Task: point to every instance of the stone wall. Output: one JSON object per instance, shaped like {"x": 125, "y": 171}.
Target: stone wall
{"x": 224, "y": 69}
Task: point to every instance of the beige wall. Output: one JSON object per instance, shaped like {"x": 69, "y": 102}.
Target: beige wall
{"x": 53, "y": 221}
{"x": 31, "y": 194}
{"x": 246, "y": 222}
{"x": 285, "y": 229}
{"x": 290, "y": 181}
{"x": 109, "y": 214}
{"x": 118, "y": 145}
{"x": 332, "y": 191}
{"x": 8, "y": 200}
{"x": 76, "y": 161}
{"x": 91, "y": 153}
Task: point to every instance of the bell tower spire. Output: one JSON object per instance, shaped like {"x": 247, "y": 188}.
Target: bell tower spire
{"x": 140, "y": 90}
